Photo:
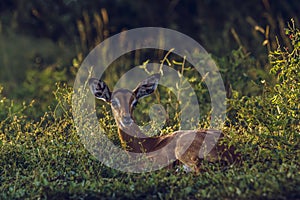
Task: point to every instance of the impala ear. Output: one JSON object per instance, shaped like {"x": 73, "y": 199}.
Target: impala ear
{"x": 147, "y": 86}
{"x": 100, "y": 89}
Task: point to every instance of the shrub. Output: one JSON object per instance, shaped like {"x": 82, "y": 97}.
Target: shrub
{"x": 45, "y": 159}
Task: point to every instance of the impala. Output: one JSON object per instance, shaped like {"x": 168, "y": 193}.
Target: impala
{"x": 179, "y": 143}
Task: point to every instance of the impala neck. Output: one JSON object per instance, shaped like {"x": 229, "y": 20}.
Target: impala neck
{"x": 134, "y": 140}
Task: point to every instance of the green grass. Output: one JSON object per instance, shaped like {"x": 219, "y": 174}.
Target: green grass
{"x": 44, "y": 158}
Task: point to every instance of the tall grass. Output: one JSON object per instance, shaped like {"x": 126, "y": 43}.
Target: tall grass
{"x": 44, "y": 158}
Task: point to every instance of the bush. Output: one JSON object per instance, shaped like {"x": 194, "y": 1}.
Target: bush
{"x": 45, "y": 159}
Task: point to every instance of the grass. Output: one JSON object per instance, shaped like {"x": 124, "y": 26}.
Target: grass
{"x": 44, "y": 158}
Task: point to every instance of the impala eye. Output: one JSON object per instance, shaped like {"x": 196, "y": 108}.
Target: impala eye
{"x": 114, "y": 103}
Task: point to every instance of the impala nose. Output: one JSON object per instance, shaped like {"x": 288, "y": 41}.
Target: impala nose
{"x": 127, "y": 120}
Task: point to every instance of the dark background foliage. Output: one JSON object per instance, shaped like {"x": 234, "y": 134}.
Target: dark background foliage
{"x": 41, "y": 39}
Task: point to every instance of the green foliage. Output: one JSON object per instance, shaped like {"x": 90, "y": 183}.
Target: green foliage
{"x": 241, "y": 73}
{"x": 277, "y": 109}
{"x": 286, "y": 67}
{"x": 269, "y": 124}
{"x": 45, "y": 158}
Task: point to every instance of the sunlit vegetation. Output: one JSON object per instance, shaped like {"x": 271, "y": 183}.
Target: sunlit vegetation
{"x": 41, "y": 154}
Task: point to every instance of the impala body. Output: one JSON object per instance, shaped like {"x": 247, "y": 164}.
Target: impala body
{"x": 186, "y": 146}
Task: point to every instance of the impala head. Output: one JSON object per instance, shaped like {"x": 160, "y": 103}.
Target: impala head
{"x": 123, "y": 101}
